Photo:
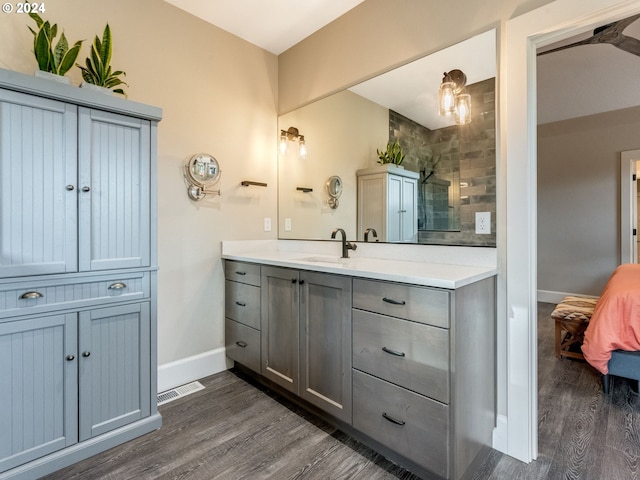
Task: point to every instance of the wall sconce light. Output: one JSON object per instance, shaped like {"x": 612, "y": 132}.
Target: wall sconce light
{"x": 292, "y": 134}
{"x": 451, "y": 97}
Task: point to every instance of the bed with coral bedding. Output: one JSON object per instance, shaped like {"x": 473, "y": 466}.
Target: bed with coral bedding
{"x": 615, "y": 324}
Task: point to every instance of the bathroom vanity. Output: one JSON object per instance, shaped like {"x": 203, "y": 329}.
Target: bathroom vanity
{"x": 399, "y": 353}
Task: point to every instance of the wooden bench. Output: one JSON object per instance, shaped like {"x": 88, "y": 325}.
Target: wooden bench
{"x": 572, "y": 317}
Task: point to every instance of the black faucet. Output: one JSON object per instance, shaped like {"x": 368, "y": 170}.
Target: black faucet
{"x": 366, "y": 234}
{"x": 346, "y": 246}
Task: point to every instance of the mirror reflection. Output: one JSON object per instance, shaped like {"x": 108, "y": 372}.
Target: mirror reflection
{"x": 447, "y": 173}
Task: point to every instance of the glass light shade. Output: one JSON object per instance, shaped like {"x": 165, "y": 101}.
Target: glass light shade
{"x": 283, "y": 143}
{"x": 303, "y": 148}
{"x": 463, "y": 109}
{"x": 446, "y": 98}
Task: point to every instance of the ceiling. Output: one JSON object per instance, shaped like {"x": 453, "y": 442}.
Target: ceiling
{"x": 575, "y": 82}
{"x": 274, "y": 25}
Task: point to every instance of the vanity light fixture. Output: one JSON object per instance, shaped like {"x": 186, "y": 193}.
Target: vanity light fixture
{"x": 452, "y": 99}
{"x": 293, "y": 134}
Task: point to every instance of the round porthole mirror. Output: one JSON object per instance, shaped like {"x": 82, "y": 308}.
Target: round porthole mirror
{"x": 202, "y": 170}
{"x": 334, "y": 189}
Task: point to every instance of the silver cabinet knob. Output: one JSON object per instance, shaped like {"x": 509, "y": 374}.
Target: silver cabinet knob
{"x": 70, "y": 187}
{"x": 86, "y": 354}
{"x": 86, "y": 189}
{"x": 70, "y": 358}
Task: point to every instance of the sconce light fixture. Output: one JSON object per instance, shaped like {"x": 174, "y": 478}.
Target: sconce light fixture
{"x": 292, "y": 134}
{"x": 452, "y": 99}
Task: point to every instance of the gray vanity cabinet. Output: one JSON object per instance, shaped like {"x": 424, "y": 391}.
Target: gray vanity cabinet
{"x": 306, "y": 336}
{"x": 325, "y": 342}
{"x": 78, "y": 264}
{"x": 280, "y": 326}
{"x": 242, "y": 313}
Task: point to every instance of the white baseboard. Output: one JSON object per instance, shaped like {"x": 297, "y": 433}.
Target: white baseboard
{"x": 185, "y": 370}
{"x": 500, "y": 439}
{"x": 548, "y": 296}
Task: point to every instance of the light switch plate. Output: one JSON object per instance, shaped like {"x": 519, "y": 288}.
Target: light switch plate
{"x": 267, "y": 224}
{"x": 287, "y": 224}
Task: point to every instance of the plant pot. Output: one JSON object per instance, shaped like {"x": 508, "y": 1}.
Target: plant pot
{"x": 52, "y": 76}
{"x": 96, "y": 88}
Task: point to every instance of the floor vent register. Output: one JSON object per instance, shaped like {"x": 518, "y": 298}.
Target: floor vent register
{"x": 179, "y": 392}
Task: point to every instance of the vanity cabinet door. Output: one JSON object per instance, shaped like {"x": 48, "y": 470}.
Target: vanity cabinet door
{"x": 38, "y": 197}
{"x": 280, "y": 303}
{"x": 325, "y": 342}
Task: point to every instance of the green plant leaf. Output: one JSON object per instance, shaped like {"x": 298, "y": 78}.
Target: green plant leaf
{"x": 69, "y": 58}
{"x": 105, "y": 54}
{"x": 96, "y": 66}
{"x": 61, "y": 48}
{"x": 42, "y": 50}
{"x": 52, "y": 32}
{"x": 37, "y": 19}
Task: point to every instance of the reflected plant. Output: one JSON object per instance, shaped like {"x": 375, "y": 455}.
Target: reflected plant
{"x": 393, "y": 154}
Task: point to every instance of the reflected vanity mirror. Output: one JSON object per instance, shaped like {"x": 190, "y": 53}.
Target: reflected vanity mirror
{"x": 453, "y": 165}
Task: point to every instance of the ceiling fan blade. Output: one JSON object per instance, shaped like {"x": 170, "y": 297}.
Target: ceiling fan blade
{"x": 616, "y": 27}
{"x": 588, "y": 41}
{"x": 629, "y": 44}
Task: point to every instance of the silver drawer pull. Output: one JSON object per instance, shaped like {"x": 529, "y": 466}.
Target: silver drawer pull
{"x": 30, "y": 295}
{"x": 392, "y": 420}
{"x": 394, "y": 302}
{"x": 242, "y": 344}
{"x": 117, "y": 286}
{"x": 392, "y": 352}
{"x": 241, "y": 273}
{"x": 240, "y": 304}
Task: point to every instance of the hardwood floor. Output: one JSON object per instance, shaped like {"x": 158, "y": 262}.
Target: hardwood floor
{"x": 237, "y": 430}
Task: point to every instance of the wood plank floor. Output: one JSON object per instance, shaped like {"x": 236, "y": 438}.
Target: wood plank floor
{"x": 237, "y": 430}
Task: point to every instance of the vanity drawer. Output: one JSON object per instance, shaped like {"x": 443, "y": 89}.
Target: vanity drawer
{"x": 409, "y": 354}
{"x": 242, "y": 272}
{"x": 420, "y": 304}
{"x": 414, "y": 426}
{"x": 242, "y": 303}
{"x": 242, "y": 344}
{"x": 36, "y": 296}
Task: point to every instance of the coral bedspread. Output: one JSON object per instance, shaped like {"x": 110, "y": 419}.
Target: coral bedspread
{"x": 615, "y": 324}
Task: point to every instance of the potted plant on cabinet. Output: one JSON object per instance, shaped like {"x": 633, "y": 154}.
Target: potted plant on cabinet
{"x": 393, "y": 154}
{"x": 53, "y": 61}
{"x": 97, "y": 71}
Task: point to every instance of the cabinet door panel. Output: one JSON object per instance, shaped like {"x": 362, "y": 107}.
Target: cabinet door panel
{"x": 40, "y": 414}
{"x": 116, "y": 370}
{"x": 325, "y": 342}
{"x": 280, "y": 296}
{"x": 114, "y": 215}
{"x": 394, "y": 208}
{"x": 409, "y": 210}
{"x": 38, "y": 159}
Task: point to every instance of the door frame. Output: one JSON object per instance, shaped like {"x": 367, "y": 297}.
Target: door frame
{"x": 517, "y": 165}
{"x": 629, "y": 161}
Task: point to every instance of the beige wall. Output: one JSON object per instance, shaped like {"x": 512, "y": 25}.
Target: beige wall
{"x": 379, "y": 35}
{"x": 342, "y": 133}
{"x": 579, "y": 199}
{"x": 219, "y": 95}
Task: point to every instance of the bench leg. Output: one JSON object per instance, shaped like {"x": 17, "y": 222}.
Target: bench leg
{"x": 606, "y": 381}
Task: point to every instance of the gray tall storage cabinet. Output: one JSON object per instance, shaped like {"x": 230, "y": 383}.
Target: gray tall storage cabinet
{"x": 78, "y": 267}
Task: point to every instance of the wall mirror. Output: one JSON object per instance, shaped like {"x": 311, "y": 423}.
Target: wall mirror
{"x": 455, "y": 164}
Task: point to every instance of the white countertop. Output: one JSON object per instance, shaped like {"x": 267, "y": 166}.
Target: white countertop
{"x": 428, "y": 265}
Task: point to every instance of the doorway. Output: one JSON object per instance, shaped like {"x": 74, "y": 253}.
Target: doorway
{"x": 629, "y": 211}
{"x": 518, "y": 256}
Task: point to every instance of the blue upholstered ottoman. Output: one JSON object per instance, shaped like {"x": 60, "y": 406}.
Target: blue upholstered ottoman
{"x": 623, "y": 364}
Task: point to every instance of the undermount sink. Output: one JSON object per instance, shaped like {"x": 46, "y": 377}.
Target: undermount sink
{"x": 330, "y": 260}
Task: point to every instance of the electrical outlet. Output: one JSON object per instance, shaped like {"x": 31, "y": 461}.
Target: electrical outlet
{"x": 483, "y": 223}
{"x": 267, "y": 224}
{"x": 287, "y": 224}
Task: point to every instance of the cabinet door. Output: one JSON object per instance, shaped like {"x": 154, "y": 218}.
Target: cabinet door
{"x": 114, "y": 207}
{"x": 394, "y": 208}
{"x": 114, "y": 353}
{"x": 325, "y": 342}
{"x": 38, "y": 159}
{"x": 280, "y": 296}
{"x": 409, "y": 210}
{"x": 38, "y": 378}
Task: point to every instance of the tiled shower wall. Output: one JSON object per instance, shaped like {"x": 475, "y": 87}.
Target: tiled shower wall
{"x": 464, "y": 155}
